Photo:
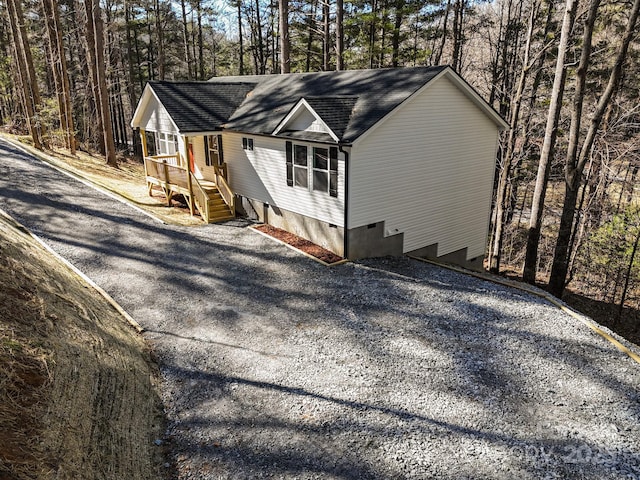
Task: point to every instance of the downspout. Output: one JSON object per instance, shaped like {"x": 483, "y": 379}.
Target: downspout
{"x": 346, "y": 200}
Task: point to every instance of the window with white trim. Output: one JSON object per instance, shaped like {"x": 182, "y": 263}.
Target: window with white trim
{"x": 320, "y": 169}
{"x": 300, "y": 163}
{"x": 318, "y": 173}
{"x": 167, "y": 143}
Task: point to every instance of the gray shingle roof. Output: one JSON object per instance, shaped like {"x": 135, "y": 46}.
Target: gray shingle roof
{"x": 349, "y": 102}
{"x": 377, "y": 91}
{"x": 334, "y": 111}
{"x": 201, "y": 106}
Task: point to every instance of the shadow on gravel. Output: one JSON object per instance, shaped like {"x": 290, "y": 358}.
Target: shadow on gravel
{"x": 387, "y": 368}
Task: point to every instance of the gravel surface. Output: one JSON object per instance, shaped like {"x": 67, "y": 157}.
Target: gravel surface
{"x": 277, "y": 367}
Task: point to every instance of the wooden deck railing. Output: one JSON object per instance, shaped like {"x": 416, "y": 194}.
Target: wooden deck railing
{"x": 174, "y": 159}
{"x": 167, "y": 172}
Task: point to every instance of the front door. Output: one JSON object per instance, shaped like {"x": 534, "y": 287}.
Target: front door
{"x": 192, "y": 162}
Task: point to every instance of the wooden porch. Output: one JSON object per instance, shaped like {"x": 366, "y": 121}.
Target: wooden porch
{"x": 213, "y": 198}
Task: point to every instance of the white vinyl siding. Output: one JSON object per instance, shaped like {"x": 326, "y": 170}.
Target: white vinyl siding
{"x": 261, "y": 174}
{"x": 427, "y": 171}
{"x": 156, "y": 119}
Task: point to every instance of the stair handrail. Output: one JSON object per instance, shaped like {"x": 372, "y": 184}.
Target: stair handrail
{"x": 225, "y": 190}
{"x": 200, "y": 196}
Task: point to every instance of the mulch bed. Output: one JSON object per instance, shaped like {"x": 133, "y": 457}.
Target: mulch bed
{"x": 300, "y": 243}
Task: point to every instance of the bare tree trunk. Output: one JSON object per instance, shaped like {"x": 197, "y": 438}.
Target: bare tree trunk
{"x": 24, "y": 62}
{"x": 326, "y": 36}
{"x": 372, "y": 31}
{"x": 258, "y": 32}
{"x": 575, "y": 162}
{"x": 310, "y": 29}
{"x": 443, "y": 38}
{"x": 395, "y": 40}
{"x": 95, "y": 37}
{"x": 185, "y": 39}
{"x": 339, "y": 34}
{"x": 90, "y": 41}
{"x": 285, "y": 61}
{"x": 505, "y": 174}
{"x": 160, "y": 37}
{"x": 548, "y": 146}
{"x": 241, "y": 59}
{"x": 200, "y": 42}
{"x": 458, "y": 28}
{"x": 60, "y": 76}
{"x": 627, "y": 277}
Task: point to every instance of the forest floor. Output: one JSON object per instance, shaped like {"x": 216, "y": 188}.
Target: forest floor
{"x": 57, "y": 420}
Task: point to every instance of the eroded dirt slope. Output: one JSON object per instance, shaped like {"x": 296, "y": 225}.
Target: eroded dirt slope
{"x": 77, "y": 396}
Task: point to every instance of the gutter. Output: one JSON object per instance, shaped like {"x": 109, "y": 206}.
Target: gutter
{"x": 346, "y": 200}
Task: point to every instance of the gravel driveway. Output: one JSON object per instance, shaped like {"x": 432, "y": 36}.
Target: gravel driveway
{"x": 277, "y": 367}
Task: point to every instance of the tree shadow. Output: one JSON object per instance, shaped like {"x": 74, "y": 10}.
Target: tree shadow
{"x": 385, "y": 368}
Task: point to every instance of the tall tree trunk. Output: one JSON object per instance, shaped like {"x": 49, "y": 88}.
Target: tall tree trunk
{"x": 339, "y": 34}
{"x": 443, "y": 37}
{"x": 61, "y": 78}
{"x": 258, "y": 32}
{"x": 24, "y": 62}
{"x": 150, "y": 50}
{"x": 372, "y": 31}
{"x": 130, "y": 62}
{"x": 548, "y": 146}
{"x": 459, "y": 8}
{"x": 200, "y": 41}
{"x": 311, "y": 19}
{"x": 575, "y": 162}
{"x": 627, "y": 278}
{"x": 395, "y": 40}
{"x": 285, "y": 61}
{"x": 89, "y": 42}
{"x": 326, "y": 36}
{"x": 160, "y": 36}
{"x": 508, "y": 162}
{"x": 95, "y": 41}
{"x": 241, "y": 59}
{"x": 185, "y": 39}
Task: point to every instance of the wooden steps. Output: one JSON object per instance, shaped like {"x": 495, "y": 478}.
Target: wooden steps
{"x": 217, "y": 209}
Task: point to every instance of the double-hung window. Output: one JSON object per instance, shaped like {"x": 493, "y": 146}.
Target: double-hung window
{"x": 320, "y": 169}
{"x": 320, "y": 176}
{"x": 300, "y": 168}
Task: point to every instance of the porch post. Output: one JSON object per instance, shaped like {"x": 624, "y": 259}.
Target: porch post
{"x": 192, "y": 207}
{"x": 143, "y": 141}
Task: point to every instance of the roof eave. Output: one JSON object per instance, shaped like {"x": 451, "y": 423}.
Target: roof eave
{"x": 476, "y": 98}
{"x": 142, "y": 105}
{"x": 135, "y": 119}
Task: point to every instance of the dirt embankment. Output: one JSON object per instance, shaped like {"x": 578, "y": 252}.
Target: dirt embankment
{"x": 77, "y": 384}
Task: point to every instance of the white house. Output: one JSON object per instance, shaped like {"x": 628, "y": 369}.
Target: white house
{"x": 362, "y": 162}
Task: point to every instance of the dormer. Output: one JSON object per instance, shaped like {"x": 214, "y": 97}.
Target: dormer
{"x": 303, "y": 118}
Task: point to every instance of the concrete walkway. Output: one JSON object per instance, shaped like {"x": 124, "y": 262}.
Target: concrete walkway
{"x": 277, "y": 367}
